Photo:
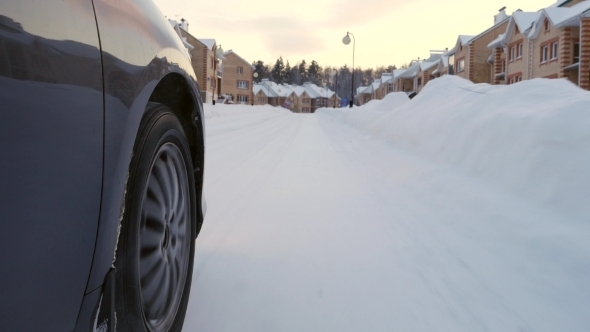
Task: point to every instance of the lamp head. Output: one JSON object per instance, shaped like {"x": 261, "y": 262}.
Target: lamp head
{"x": 346, "y": 39}
{"x": 255, "y": 75}
{"x": 219, "y": 51}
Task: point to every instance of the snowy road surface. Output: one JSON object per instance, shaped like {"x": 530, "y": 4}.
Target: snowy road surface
{"x": 315, "y": 226}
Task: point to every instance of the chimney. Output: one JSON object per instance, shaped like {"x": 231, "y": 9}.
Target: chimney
{"x": 501, "y": 16}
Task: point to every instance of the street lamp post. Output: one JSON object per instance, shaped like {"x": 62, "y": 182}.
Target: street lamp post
{"x": 346, "y": 41}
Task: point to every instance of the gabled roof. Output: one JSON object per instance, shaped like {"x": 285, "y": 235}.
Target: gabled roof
{"x": 523, "y": 20}
{"x": 412, "y": 72}
{"x": 560, "y": 17}
{"x": 461, "y": 40}
{"x": 299, "y": 90}
{"x": 398, "y": 72}
{"x": 259, "y": 88}
{"x": 386, "y": 78}
{"x": 427, "y": 65}
{"x": 208, "y": 42}
{"x": 315, "y": 91}
{"x": 376, "y": 84}
{"x": 236, "y": 54}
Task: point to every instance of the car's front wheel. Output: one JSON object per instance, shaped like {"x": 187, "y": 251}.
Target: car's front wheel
{"x": 154, "y": 258}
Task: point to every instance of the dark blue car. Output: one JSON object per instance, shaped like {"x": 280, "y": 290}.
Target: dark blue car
{"x": 101, "y": 167}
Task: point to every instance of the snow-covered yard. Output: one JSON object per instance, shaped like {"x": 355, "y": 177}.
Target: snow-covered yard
{"x": 465, "y": 209}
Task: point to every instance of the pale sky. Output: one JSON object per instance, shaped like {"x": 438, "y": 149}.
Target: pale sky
{"x": 387, "y": 31}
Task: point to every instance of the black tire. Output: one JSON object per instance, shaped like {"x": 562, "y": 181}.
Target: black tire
{"x": 154, "y": 257}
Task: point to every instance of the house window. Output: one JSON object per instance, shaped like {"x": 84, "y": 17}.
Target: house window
{"x": 518, "y": 78}
{"x": 577, "y": 52}
{"x": 512, "y": 53}
{"x": 242, "y": 99}
{"x": 546, "y": 25}
{"x": 243, "y": 84}
{"x": 419, "y": 81}
{"x": 519, "y": 51}
{"x": 544, "y": 54}
{"x": 511, "y": 81}
{"x": 460, "y": 65}
{"x": 554, "y": 50}
{"x": 212, "y": 62}
{"x": 240, "y": 70}
{"x": 261, "y": 100}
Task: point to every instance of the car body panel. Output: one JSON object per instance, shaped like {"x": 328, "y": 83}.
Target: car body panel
{"x": 139, "y": 49}
{"x": 51, "y": 145}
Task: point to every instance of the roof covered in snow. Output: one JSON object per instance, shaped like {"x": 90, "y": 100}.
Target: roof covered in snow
{"x": 208, "y": 42}
{"x": 412, "y": 72}
{"x": 236, "y": 54}
{"x": 560, "y": 17}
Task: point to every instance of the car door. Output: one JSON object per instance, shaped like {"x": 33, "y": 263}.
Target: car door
{"x": 51, "y": 159}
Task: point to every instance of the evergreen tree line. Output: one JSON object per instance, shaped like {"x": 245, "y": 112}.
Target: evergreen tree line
{"x": 301, "y": 73}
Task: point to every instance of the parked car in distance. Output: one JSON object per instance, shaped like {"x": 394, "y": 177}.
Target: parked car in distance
{"x": 102, "y": 145}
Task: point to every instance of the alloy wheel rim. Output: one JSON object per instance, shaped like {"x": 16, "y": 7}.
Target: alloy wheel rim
{"x": 164, "y": 238}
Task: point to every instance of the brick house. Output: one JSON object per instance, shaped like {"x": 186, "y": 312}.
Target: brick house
{"x": 512, "y": 50}
{"x": 471, "y": 58}
{"x": 303, "y": 100}
{"x": 560, "y": 40}
{"x": 364, "y": 94}
{"x": 237, "y": 78}
{"x": 260, "y": 95}
{"x": 406, "y": 81}
{"x": 205, "y": 64}
{"x": 426, "y": 71}
{"x": 320, "y": 96}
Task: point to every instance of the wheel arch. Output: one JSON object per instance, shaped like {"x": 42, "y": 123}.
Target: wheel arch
{"x": 175, "y": 92}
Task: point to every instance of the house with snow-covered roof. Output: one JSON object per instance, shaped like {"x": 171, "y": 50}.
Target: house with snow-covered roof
{"x": 321, "y": 96}
{"x": 205, "y": 63}
{"x": 561, "y": 43}
{"x": 471, "y": 58}
{"x": 406, "y": 80}
{"x": 425, "y": 71}
{"x": 260, "y": 94}
{"x": 237, "y": 78}
{"x": 364, "y": 94}
{"x": 385, "y": 87}
{"x": 518, "y": 49}
{"x": 302, "y": 102}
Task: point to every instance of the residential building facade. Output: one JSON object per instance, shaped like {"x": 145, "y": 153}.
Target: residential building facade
{"x": 237, "y": 78}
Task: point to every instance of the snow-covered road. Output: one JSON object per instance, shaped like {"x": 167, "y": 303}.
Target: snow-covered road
{"x": 315, "y": 226}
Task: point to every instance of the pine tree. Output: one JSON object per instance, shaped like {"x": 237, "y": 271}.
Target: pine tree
{"x": 313, "y": 72}
{"x": 259, "y": 68}
{"x": 288, "y": 74}
{"x": 303, "y": 72}
{"x": 278, "y": 71}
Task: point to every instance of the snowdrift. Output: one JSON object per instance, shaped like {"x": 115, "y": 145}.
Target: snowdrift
{"x": 532, "y": 138}
{"x": 223, "y": 110}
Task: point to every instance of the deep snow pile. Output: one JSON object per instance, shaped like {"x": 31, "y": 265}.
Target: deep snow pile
{"x": 532, "y": 138}
{"x": 222, "y": 110}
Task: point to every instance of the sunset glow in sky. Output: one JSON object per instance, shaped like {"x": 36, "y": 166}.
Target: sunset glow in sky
{"x": 388, "y": 32}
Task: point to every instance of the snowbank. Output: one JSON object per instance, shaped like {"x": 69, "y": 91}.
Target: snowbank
{"x": 532, "y": 138}
{"x": 222, "y": 110}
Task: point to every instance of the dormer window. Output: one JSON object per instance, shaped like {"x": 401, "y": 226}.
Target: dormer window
{"x": 516, "y": 31}
{"x": 546, "y": 23}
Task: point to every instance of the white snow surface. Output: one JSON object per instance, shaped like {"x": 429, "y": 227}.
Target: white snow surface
{"x": 464, "y": 209}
